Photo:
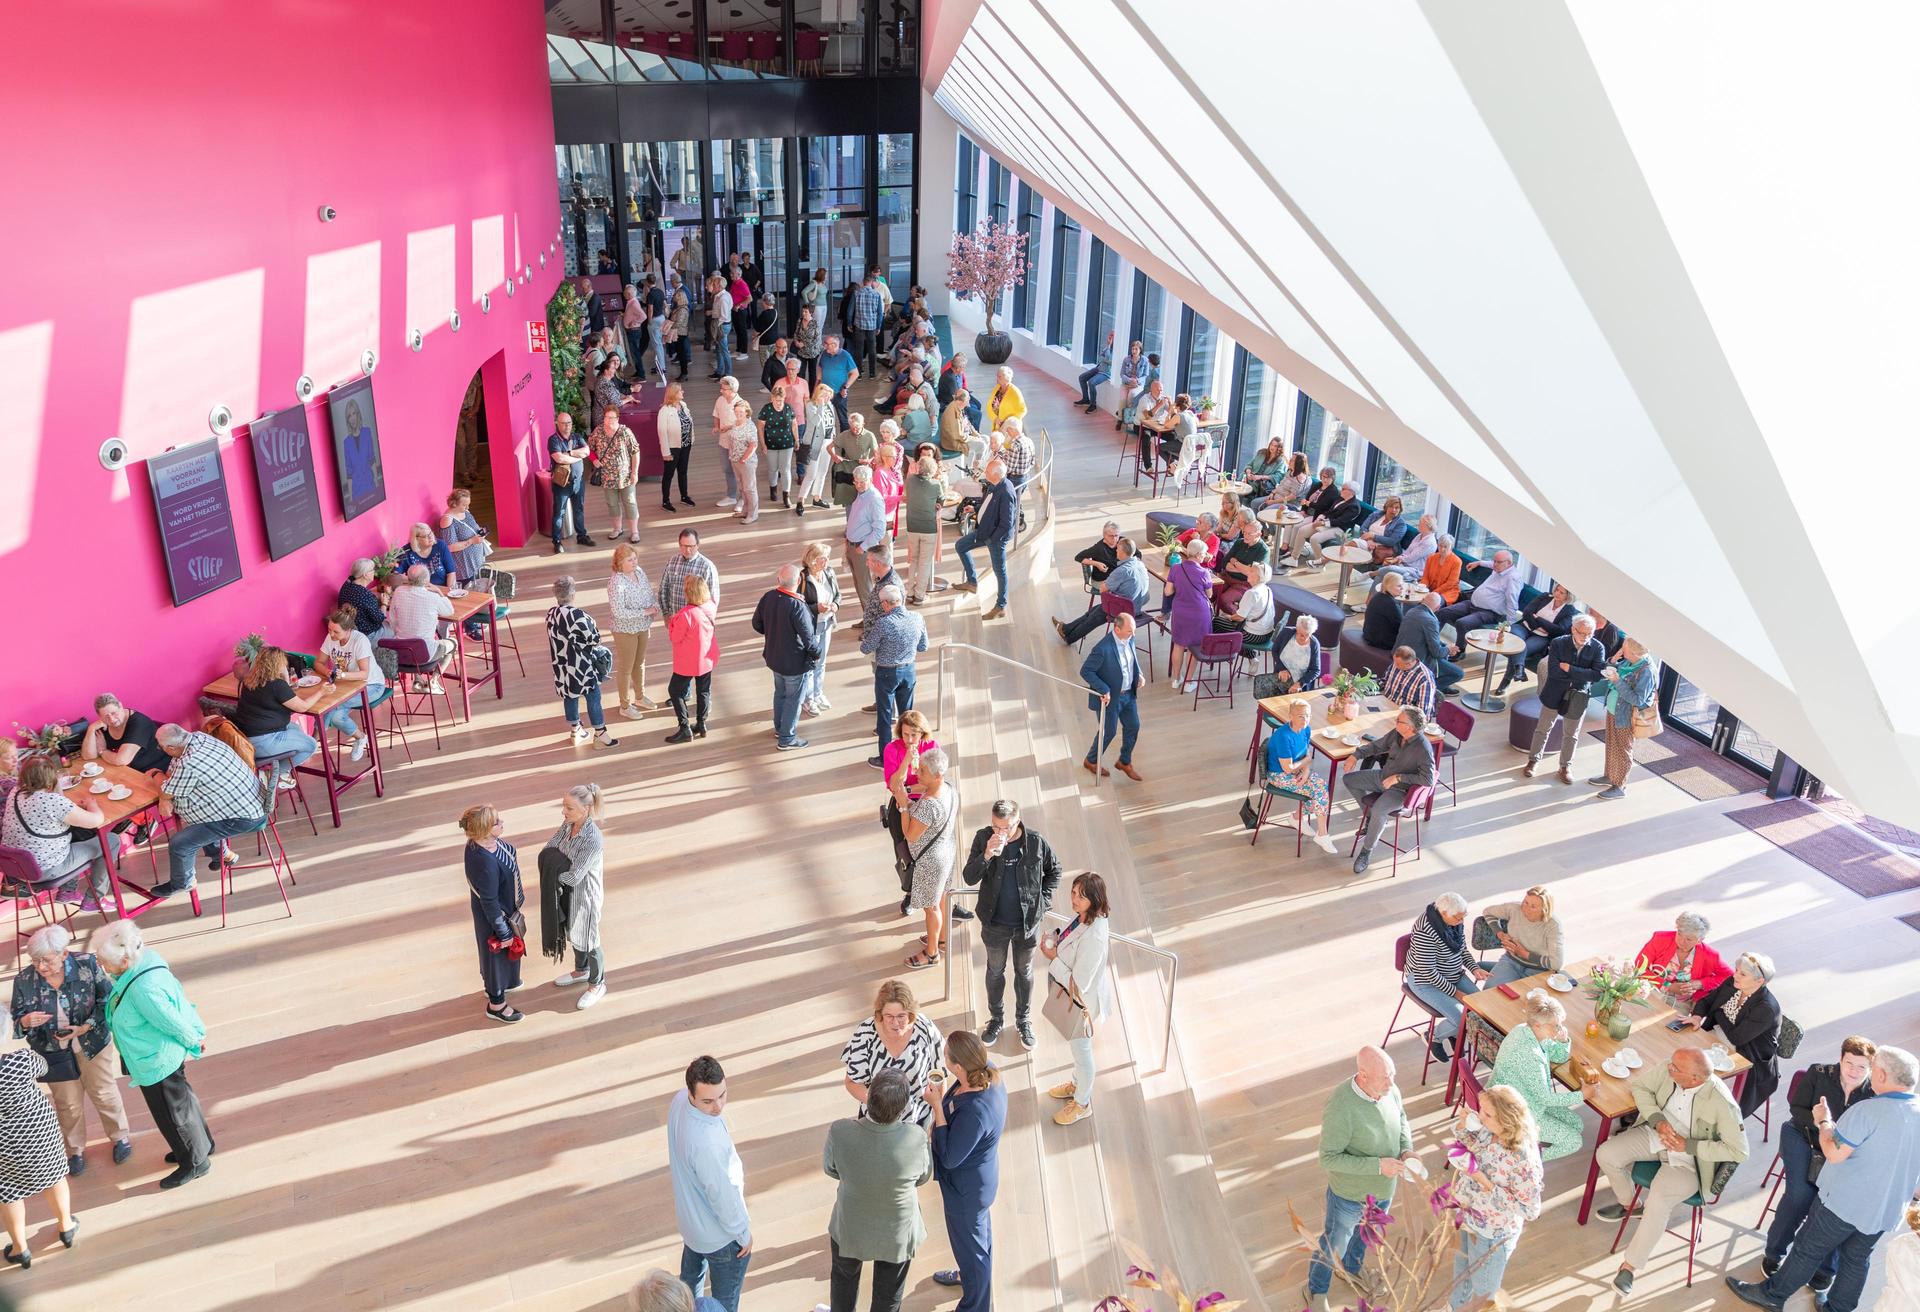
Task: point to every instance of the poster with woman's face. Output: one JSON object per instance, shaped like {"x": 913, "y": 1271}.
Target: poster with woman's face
{"x": 356, "y": 447}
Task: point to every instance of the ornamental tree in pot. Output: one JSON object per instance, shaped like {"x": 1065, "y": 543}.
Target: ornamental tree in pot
{"x": 984, "y": 264}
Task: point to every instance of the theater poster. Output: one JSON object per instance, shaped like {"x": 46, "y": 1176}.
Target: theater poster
{"x": 283, "y": 468}
{"x": 196, "y": 520}
{"x": 356, "y": 447}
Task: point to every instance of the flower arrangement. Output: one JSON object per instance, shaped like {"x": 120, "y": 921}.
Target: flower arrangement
{"x": 1204, "y": 406}
{"x": 388, "y": 562}
{"x": 986, "y": 262}
{"x": 45, "y": 740}
{"x": 1613, "y": 984}
{"x": 1144, "y": 1273}
{"x": 1349, "y": 684}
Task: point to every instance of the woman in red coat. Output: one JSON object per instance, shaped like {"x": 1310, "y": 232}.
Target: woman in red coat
{"x": 696, "y": 649}
{"x": 1682, "y": 964}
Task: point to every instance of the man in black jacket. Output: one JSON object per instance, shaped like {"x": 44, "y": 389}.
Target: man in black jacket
{"x": 1017, "y": 873}
{"x": 792, "y": 646}
{"x": 775, "y": 369}
{"x": 1380, "y": 627}
{"x": 1574, "y": 661}
{"x": 1399, "y": 762}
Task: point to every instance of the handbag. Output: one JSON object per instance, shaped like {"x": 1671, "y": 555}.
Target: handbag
{"x": 1486, "y": 932}
{"x": 602, "y": 657}
{"x": 1266, "y": 685}
{"x": 1064, "y": 1012}
{"x": 1646, "y": 721}
{"x": 1249, "y": 813}
{"x": 63, "y": 1066}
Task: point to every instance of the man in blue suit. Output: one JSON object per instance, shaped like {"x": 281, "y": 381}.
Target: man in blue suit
{"x": 1112, "y": 673}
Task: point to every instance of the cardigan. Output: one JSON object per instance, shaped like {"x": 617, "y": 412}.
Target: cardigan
{"x": 1355, "y": 1133}
{"x": 1755, "y": 1035}
{"x": 1544, "y": 941}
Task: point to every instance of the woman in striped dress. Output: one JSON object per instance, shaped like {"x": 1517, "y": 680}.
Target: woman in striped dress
{"x": 32, "y": 1158}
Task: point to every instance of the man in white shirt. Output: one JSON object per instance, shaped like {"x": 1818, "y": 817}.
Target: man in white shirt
{"x": 709, "y": 1187}
{"x": 1494, "y": 600}
{"x": 417, "y": 611}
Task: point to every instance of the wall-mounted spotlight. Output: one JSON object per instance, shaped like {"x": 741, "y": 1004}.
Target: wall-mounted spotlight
{"x": 113, "y": 454}
{"x": 529, "y": 272}
{"x": 509, "y": 286}
{"x": 328, "y": 214}
{"x": 453, "y": 321}
{"x": 486, "y": 302}
{"x": 303, "y": 387}
{"x": 368, "y": 359}
{"x": 543, "y": 259}
{"x": 416, "y": 339}
{"x": 220, "y": 420}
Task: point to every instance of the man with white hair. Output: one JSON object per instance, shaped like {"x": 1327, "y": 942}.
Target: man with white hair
{"x": 1872, "y": 1170}
{"x": 157, "y": 1032}
{"x": 1112, "y": 675}
{"x": 1366, "y": 1149}
{"x": 894, "y": 638}
{"x": 214, "y": 796}
{"x": 1018, "y": 452}
{"x": 1496, "y": 599}
{"x": 417, "y": 611}
{"x": 994, "y": 529}
{"x": 1574, "y": 660}
{"x": 1343, "y": 516}
{"x": 866, "y": 529}
{"x": 1690, "y": 1126}
{"x": 792, "y": 646}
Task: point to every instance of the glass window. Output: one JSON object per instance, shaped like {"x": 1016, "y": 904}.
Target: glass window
{"x": 1023, "y": 297}
{"x": 1066, "y": 280}
{"x": 836, "y": 173}
{"x": 1149, "y": 313}
{"x": 898, "y": 44}
{"x": 1393, "y": 479}
{"x": 1692, "y": 708}
{"x": 966, "y": 186}
{"x": 575, "y": 50}
{"x": 1104, "y": 287}
{"x": 1324, "y": 438}
{"x": 840, "y": 247}
{"x": 896, "y": 209}
{"x": 653, "y": 43}
{"x": 662, "y": 206}
{"x": 829, "y": 37}
{"x": 1254, "y": 419}
{"x": 743, "y": 40}
{"x": 1750, "y": 743}
{"x": 999, "y": 183}
{"x": 1472, "y": 538}
{"x": 586, "y": 205}
{"x": 749, "y": 177}
{"x": 1203, "y": 355}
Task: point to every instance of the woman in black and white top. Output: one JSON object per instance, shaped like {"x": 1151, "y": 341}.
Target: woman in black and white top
{"x": 573, "y": 641}
{"x": 1745, "y": 1011}
{"x": 32, "y": 1160}
{"x": 40, "y": 820}
{"x": 578, "y": 838}
{"x": 896, "y": 1037}
{"x": 1077, "y": 958}
{"x": 675, "y": 427}
{"x": 1440, "y": 967}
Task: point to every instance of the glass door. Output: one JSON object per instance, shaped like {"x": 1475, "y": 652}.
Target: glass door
{"x": 662, "y": 213}
{"x": 748, "y": 181}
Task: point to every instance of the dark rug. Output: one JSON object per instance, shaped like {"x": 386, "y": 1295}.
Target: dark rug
{"x": 1884, "y": 830}
{"x": 1695, "y": 771}
{"x": 1830, "y": 845}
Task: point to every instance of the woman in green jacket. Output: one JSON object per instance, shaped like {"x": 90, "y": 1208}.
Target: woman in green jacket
{"x": 156, "y": 1030}
{"x": 1526, "y": 1061}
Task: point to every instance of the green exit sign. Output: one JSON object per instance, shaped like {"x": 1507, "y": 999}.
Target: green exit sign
{"x": 753, "y": 220}
{"x": 833, "y": 216}
{"x": 666, "y": 223}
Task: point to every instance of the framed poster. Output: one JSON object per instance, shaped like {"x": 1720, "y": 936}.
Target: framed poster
{"x": 283, "y": 469}
{"x": 356, "y": 447}
{"x": 196, "y": 520}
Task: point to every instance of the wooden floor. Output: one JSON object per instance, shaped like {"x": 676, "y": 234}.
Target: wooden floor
{"x": 383, "y": 1145}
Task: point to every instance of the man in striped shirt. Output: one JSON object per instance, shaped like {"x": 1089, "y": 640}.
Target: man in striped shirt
{"x": 211, "y": 793}
{"x": 1409, "y": 683}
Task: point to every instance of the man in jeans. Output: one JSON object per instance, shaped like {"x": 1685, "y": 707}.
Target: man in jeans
{"x": 567, "y": 456}
{"x": 214, "y": 796}
{"x": 1017, "y": 873}
{"x": 709, "y": 1187}
{"x": 864, "y": 322}
{"x": 893, "y": 640}
{"x": 1365, "y": 1149}
{"x": 786, "y": 621}
{"x": 995, "y": 527}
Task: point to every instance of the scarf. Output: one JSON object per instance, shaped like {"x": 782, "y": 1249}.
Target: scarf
{"x": 686, "y": 424}
{"x": 1453, "y": 936}
{"x": 1626, "y": 672}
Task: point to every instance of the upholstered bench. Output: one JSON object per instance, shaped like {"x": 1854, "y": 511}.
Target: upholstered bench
{"x": 1158, "y": 520}
{"x": 1357, "y": 655}
{"x": 1293, "y": 600}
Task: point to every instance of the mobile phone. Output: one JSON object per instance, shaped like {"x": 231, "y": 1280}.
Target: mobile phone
{"x": 63, "y": 1034}
{"x": 1373, "y": 706}
{"x": 1677, "y": 1025}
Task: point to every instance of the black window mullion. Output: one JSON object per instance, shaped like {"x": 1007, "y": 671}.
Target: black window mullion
{"x": 1186, "y": 349}
{"x": 1370, "y": 481}
{"x": 1237, "y": 410}
{"x": 1096, "y": 278}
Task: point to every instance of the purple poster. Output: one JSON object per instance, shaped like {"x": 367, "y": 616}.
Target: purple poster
{"x": 356, "y": 447}
{"x": 196, "y": 520}
{"x": 283, "y": 467}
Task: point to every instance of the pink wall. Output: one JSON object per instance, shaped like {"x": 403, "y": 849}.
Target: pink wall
{"x": 165, "y": 255}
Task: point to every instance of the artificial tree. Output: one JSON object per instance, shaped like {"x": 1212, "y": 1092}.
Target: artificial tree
{"x": 984, "y": 264}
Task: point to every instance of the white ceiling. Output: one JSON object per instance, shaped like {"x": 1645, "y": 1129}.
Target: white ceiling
{"x": 1630, "y": 283}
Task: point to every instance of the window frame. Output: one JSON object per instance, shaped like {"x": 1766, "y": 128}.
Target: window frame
{"x": 1028, "y": 215}
{"x": 1060, "y": 300}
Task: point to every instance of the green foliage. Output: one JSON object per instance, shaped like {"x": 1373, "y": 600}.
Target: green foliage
{"x": 563, "y": 353}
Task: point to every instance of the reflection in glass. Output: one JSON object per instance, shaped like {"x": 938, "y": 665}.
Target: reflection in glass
{"x": 663, "y": 187}
{"x": 896, "y": 209}
{"x": 999, "y": 178}
{"x": 749, "y": 177}
{"x": 1023, "y": 298}
{"x": 743, "y": 39}
{"x": 829, "y": 38}
{"x": 1107, "y": 265}
{"x": 1694, "y": 708}
{"x": 1066, "y": 280}
{"x": 1256, "y": 405}
{"x": 575, "y": 52}
{"x": 1393, "y": 479}
{"x": 1203, "y": 354}
{"x": 898, "y": 39}
{"x": 1325, "y": 439}
{"x": 586, "y": 204}
{"x": 840, "y": 247}
{"x": 654, "y": 43}
{"x": 1153, "y": 315}
{"x": 836, "y": 173}
{"x": 1472, "y": 538}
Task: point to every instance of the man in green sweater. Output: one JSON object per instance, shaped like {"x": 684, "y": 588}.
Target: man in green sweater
{"x": 1365, "y": 1148}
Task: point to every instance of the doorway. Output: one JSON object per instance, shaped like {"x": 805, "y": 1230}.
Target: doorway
{"x": 473, "y": 454}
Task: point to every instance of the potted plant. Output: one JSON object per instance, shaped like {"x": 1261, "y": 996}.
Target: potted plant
{"x": 245, "y": 653}
{"x": 1204, "y": 409}
{"x": 1612, "y": 985}
{"x": 1143, "y": 1273}
{"x": 46, "y": 740}
{"x": 985, "y": 263}
{"x": 1349, "y": 686}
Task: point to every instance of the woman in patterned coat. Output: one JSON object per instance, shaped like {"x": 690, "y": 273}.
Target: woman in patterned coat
{"x": 579, "y": 663}
{"x": 1526, "y": 1061}
{"x": 32, "y": 1160}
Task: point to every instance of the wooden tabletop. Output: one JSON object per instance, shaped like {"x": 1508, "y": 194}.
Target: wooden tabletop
{"x": 1350, "y": 555}
{"x": 145, "y": 790}
{"x": 1488, "y": 640}
{"x": 1649, "y": 1037}
{"x": 471, "y": 603}
{"x": 1230, "y": 485}
{"x": 1367, "y": 722}
{"x": 1279, "y": 515}
{"x": 227, "y": 688}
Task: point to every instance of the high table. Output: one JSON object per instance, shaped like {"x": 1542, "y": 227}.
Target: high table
{"x": 640, "y": 411}
{"x": 143, "y": 793}
{"x": 1223, "y": 485}
{"x": 227, "y": 688}
{"x": 1610, "y": 1098}
{"x": 1377, "y": 716}
{"x": 1348, "y": 556}
{"x": 465, "y": 608}
{"x": 1493, "y": 643}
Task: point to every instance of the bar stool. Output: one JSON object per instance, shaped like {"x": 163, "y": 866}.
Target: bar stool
{"x": 414, "y": 657}
{"x": 269, "y": 768}
{"x": 1418, "y": 799}
{"x": 273, "y": 852}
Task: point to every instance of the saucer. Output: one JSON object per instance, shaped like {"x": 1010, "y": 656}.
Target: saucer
{"x": 1630, "y": 1059}
{"x": 100, "y": 786}
{"x": 1353, "y": 740}
{"x": 1559, "y": 983}
{"x": 1613, "y": 1067}
{"x": 120, "y": 793}
{"x": 456, "y": 592}
{"x": 309, "y": 680}
{"x": 92, "y": 768}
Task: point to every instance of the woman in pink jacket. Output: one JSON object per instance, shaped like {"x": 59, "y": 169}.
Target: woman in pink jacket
{"x": 696, "y": 650}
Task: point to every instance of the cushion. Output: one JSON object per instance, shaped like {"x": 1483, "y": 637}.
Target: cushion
{"x": 1524, "y": 718}
{"x": 1294, "y": 600}
{"x": 1357, "y": 655}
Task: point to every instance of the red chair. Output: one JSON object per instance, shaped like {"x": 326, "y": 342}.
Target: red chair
{"x": 1143, "y": 626}
{"x": 21, "y": 881}
{"x": 1400, "y": 947}
{"x": 733, "y": 49}
{"x": 1418, "y": 799}
{"x": 1456, "y": 720}
{"x": 273, "y": 852}
{"x": 267, "y": 767}
{"x": 1214, "y": 662}
{"x": 1470, "y": 1086}
{"x": 810, "y": 49}
{"x": 415, "y": 659}
{"x": 762, "y": 49}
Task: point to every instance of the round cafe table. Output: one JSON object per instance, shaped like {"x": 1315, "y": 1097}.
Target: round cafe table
{"x": 1278, "y": 520}
{"x": 1223, "y": 485}
{"x": 1348, "y": 557}
{"x": 1494, "y": 644}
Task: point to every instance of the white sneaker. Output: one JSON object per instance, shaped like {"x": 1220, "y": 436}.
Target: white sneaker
{"x": 631, "y": 711}
{"x": 1325, "y": 844}
{"x": 727, "y": 501}
{"x": 591, "y": 996}
{"x": 434, "y": 687}
{"x": 571, "y": 978}
{"x": 750, "y": 519}
{"x": 287, "y": 783}
{"x": 601, "y": 738}
{"x": 649, "y": 704}
{"x": 359, "y": 747}
{"x": 581, "y": 733}
{"x": 808, "y": 711}
{"x": 823, "y": 703}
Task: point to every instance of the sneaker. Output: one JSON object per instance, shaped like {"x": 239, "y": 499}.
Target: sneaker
{"x": 1024, "y": 1028}
{"x": 1614, "y": 1212}
{"x": 1073, "y": 1111}
{"x": 581, "y": 733}
{"x": 991, "y": 1034}
{"x": 1325, "y": 844}
{"x": 287, "y": 783}
{"x": 571, "y": 978}
{"x": 1061, "y": 1090}
{"x": 631, "y": 711}
{"x": 601, "y": 738}
{"x": 795, "y": 745}
{"x": 649, "y": 704}
{"x": 359, "y": 751}
{"x": 809, "y": 711}
{"x": 1822, "y": 1281}
{"x": 435, "y": 687}
{"x": 122, "y": 1149}
{"x": 1612, "y": 794}
{"x": 727, "y": 501}
{"x": 591, "y": 996}
{"x": 822, "y": 702}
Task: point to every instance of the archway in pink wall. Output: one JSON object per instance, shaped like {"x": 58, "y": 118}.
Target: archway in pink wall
{"x": 504, "y": 453}
{"x": 472, "y": 453}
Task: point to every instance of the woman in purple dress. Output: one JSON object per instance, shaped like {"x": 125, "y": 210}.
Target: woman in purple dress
{"x": 1188, "y": 585}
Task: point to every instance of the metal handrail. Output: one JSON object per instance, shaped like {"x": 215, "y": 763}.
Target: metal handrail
{"x": 1173, "y": 977}
{"x": 940, "y": 691}
{"x": 1042, "y": 478}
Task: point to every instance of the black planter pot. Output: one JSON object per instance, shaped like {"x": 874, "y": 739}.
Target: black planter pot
{"x": 992, "y": 348}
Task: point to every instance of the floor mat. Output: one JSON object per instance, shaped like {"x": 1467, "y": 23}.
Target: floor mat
{"x": 1830, "y": 845}
{"x": 1690, "y": 767}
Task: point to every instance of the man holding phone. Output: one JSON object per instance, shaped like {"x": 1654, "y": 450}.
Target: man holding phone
{"x": 1017, "y": 873}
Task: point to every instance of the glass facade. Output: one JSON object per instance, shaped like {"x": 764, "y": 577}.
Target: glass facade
{"x": 1202, "y": 358}
{"x": 576, "y": 49}
{"x": 1023, "y": 294}
{"x": 1325, "y": 439}
{"x": 652, "y": 43}
{"x": 836, "y": 173}
{"x": 586, "y": 205}
{"x": 896, "y": 46}
{"x": 1393, "y": 479}
{"x": 829, "y": 37}
{"x": 1066, "y": 281}
{"x": 744, "y": 40}
{"x": 1472, "y": 538}
{"x": 1103, "y": 287}
{"x": 655, "y": 41}
{"x": 894, "y": 175}
{"x": 1149, "y": 314}
{"x": 966, "y": 190}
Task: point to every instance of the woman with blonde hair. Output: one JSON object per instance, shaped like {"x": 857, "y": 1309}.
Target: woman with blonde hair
{"x": 968, "y": 1121}
{"x": 635, "y": 608}
{"x": 1499, "y": 1187}
{"x": 464, "y": 537}
{"x": 268, "y": 703}
{"x": 898, "y": 1037}
{"x": 660, "y": 1292}
{"x": 1632, "y": 683}
{"x": 1526, "y": 1062}
{"x": 578, "y": 840}
{"x": 743, "y": 454}
{"x": 1530, "y": 935}
{"x": 494, "y": 891}
{"x": 674, "y": 426}
{"x": 696, "y": 650}
{"x": 820, "y": 589}
{"x": 823, "y": 422}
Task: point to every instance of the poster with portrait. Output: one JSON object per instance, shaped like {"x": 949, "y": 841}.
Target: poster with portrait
{"x": 283, "y": 469}
{"x": 356, "y": 447}
{"x": 196, "y": 520}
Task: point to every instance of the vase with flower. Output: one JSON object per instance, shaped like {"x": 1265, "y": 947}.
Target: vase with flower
{"x": 1349, "y": 686}
{"x": 1615, "y": 985}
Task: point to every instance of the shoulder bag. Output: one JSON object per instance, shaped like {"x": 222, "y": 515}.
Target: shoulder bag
{"x": 905, "y": 857}
{"x": 1646, "y": 721}
{"x": 1486, "y": 932}
{"x": 1063, "y": 1010}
